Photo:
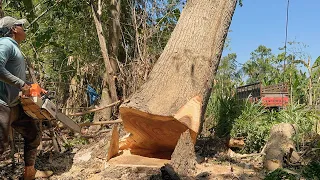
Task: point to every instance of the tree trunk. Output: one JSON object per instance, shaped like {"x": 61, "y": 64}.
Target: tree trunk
{"x": 114, "y": 34}
{"x": 109, "y": 71}
{"x": 175, "y": 96}
{"x": 109, "y": 92}
{"x": 310, "y": 82}
{"x": 1, "y": 10}
{"x": 28, "y": 5}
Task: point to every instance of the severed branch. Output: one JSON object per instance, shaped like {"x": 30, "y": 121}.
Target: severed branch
{"x": 96, "y": 109}
{"x": 101, "y": 123}
{"x": 96, "y": 134}
{"x": 42, "y": 14}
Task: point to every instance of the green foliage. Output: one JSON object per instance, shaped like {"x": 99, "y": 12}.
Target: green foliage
{"x": 251, "y": 120}
{"x": 301, "y": 116}
{"x": 280, "y": 174}
{"x": 225, "y": 110}
{"x": 75, "y": 142}
{"x": 254, "y": 125}
{"x": 240, "y": 3}
{"x": 223, "y": 107}
{"x": 312, "y": 171}
{"x": 261, "y": 67}
{"x": 309, "y": 172}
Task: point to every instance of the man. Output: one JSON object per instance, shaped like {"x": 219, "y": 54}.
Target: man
{"x": 13, "y": 80}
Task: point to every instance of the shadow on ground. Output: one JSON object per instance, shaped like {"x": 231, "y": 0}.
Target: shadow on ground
{"x": 56, "y": 162}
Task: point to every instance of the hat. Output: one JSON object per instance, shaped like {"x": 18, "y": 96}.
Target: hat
{"x": 9, "y": 22}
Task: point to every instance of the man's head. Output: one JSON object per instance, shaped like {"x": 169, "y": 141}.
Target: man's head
{"x": 12, "y": 27}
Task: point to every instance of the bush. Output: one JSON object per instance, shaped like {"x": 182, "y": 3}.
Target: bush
{"x": 224, "y": 110}
{"x": 253, "y": 122}
{"x": 254, "y": 125}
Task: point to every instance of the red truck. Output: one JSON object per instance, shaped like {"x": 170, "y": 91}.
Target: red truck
{"x": 273, "y": 96}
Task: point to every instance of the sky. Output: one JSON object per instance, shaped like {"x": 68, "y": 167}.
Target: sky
{"x": 263, "y": 22}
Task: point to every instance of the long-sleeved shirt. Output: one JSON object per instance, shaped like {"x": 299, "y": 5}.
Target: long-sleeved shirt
{"x": 12, "y": 71}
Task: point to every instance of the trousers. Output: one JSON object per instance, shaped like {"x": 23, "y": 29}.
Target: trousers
{"x": 23, "y": 124}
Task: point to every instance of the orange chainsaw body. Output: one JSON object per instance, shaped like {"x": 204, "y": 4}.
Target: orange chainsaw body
{"x": 32, "y": 105}
{"x": 42, "y": 108}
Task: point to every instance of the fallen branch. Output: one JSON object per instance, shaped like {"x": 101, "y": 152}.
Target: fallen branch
{"x": 100, "y": 123}
{"x": 96, "y": 134}
{"x": 96, "y": 109}
{"x": 232, "y": 154}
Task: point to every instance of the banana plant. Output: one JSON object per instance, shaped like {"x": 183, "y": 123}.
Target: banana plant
{"x": 313, "y": 72}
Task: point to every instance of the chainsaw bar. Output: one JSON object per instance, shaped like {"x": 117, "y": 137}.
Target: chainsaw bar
{"x": 68, "y": 122}
{"x": 51, "y": 108}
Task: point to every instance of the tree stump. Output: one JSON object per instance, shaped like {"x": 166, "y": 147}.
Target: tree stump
{"x": 279, "y": 145}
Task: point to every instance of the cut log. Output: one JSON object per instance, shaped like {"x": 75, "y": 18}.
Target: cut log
{"x": 114, "y": 143}
{"x": 174, "y": 97}
{"x": 236, "y": 142}
{"x": 279, "y": 145}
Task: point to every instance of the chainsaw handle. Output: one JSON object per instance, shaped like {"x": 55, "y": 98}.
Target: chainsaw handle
{"x": 48, "y": 95}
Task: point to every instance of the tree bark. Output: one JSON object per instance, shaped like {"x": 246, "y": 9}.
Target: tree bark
{"x": 175, "y": 96}
{"x": 1, "y": 10}
{"x": 114, "y": 34}
{"x": 109, "y": 92}
{"x": 109, "y": 71}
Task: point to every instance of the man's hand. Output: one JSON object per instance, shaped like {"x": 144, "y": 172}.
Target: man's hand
{"x": 43, "y": 91}
{"x": 25, "y": 90}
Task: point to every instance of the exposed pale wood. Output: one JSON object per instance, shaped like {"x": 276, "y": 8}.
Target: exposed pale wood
{"x": 100, "y": 123}
{"x": 130, "y": 160}
{"x": 175, "y": 95}
{"x": 190, "y": 114}
{"x": 114, "y": 143}
{"x": 160, "y": 133}
{"x": 236, "y": 142}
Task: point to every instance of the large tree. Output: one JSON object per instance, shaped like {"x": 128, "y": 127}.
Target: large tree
{"x": 175, "y": 96}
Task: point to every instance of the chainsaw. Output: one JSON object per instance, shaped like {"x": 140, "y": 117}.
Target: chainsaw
{"x": 42, "y": 108}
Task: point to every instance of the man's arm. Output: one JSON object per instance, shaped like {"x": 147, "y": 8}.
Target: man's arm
{"x": 5, "y": 75}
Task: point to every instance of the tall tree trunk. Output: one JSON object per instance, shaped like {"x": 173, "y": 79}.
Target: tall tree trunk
{"x": 109, "y": 71}
{"x": 310, "y": 82}
{"x": 29, "y": 9}
{"x": 29, "y": 12}
{"x": 109, "y": 92}
{"x": 1, "y": 10}
{"x": 114, "y": 34}
{"x": 175, "y": 96}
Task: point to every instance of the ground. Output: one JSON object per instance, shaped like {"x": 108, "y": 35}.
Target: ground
{"x": 89, "y": 162}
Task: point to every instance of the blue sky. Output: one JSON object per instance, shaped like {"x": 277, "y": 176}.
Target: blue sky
{"x": 261, "y": 22}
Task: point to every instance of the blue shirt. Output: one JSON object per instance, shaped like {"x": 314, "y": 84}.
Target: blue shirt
{"x": 12, "y": 71}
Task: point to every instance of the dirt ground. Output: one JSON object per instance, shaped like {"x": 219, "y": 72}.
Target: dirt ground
{"x": 88, "y": 162}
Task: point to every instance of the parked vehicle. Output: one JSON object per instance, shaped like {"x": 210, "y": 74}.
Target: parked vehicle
{"x": 273, "y": 96}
